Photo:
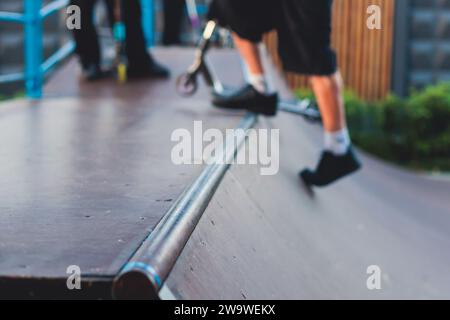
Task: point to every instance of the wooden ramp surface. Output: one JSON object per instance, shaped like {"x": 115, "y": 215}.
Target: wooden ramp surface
{"x": 87, "y": 171}
{"x": 86, "y": 175}
{"x": 266, "y": 237}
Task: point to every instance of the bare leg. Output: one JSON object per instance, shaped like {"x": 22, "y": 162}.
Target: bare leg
{"x": 329, "y": 94}
{"x": 328, "y": 89}
{"x": 250, "y": 53}
{"x": 255, "y": 96}
{"x": 339, "y": 160}
{"x": 255, "y": 72}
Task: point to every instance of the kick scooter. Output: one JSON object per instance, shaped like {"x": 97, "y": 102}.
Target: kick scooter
{"x": 187, "y": 83}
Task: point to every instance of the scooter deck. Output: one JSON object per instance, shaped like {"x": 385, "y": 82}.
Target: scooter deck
{"x": 301, "y": 107}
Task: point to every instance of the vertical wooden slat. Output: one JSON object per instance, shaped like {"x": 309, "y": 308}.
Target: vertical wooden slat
{"x": 364, "y": 56}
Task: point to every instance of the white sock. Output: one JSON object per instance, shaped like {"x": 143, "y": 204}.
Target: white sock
{"x": 258, "y": 81}
{"x": 337, "y": 142}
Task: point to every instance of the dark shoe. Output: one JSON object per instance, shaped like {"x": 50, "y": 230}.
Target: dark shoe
{"x": 93, "y": 72}
{"x": 247, "y": 98}
{"x": 153, "y": 70}
{"x": 331, "y": 168}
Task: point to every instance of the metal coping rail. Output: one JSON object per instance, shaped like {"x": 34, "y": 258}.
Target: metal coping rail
{"x": 144, "y": 274}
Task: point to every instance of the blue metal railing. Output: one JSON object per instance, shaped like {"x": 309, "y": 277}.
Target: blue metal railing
{"x": 35, "y": 68}
{"x": 148, "y": 21}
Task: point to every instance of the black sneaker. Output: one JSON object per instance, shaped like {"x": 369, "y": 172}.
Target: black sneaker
{"x": 331, "y": 168}
{"x": 153, "y": 70}
{"x": 247, "y": 98}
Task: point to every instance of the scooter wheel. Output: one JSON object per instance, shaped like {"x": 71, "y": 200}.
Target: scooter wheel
{"x": 187, "y": 84}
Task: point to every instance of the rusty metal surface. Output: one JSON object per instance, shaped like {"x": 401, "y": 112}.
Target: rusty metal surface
{"x": 86, "y": 172}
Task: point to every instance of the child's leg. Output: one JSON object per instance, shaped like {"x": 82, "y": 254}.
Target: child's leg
{"x": 329, "y": 94}
{"x": 328, "y": 91}
{"x": 249, "y": 20}
{"x": 250, "y": 54}
{"x": 338, "y": 159}
{"x": 255, "y": 95}
{"x": 86, "y": 39}
{"x": 173, "y": 18}
{"x": 140, "y": 61}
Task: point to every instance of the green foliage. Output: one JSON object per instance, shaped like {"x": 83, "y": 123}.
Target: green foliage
{"x": 14, "y": 95}
{"x": 414, "y": 132}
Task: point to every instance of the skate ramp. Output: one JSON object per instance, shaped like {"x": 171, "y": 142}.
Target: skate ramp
{"x": 87, "y": 176}
{"x": 268, "y": 237}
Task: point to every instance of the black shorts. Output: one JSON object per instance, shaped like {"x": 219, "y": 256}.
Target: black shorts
{"x": 304, "y": 29}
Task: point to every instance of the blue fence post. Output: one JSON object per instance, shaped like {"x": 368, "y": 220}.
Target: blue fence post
{"x": 148, "y": 21}
{"x": 33, "y": 49}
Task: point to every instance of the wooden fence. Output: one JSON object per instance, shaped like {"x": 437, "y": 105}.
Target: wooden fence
{"x": 364, "y": 55}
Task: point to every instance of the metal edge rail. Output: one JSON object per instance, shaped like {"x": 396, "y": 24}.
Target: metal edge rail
{"x": 12, "y": 17}
{"x": 32, "y": 20}
{"x": 10, "y": 78}
{"x": 147, "y": 270}
{"x": 61, "y": 54}
{"x": 53, "y": 8}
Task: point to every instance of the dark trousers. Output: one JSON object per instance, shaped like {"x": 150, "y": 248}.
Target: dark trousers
{"x": 87, "y": 43}
{"x": 173, "y": 18}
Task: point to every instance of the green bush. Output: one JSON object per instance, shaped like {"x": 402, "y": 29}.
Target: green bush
{"x": 14, "y": 95}
{"x": 414, "y": 131}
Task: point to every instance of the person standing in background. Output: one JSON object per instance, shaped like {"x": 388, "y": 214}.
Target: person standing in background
{"x": 140, "y": 62}
{"x": 173, "y": 19}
